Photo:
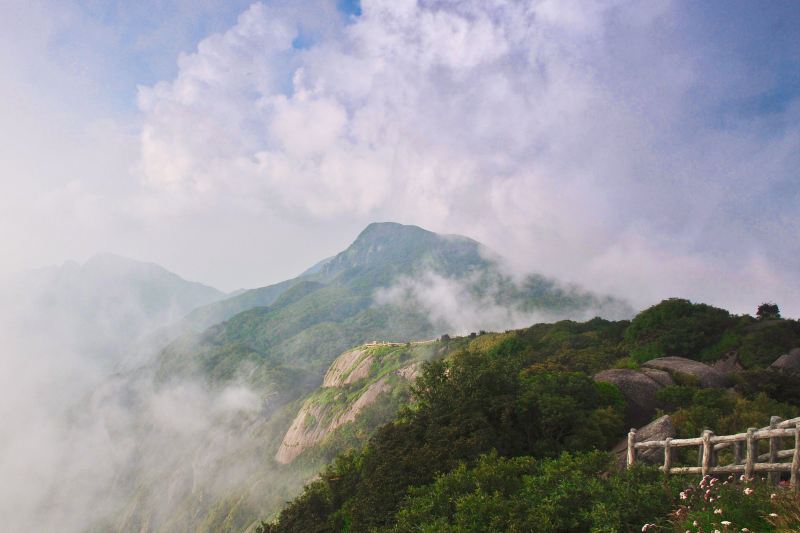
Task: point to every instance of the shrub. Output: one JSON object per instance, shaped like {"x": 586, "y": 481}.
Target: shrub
{"x": 732, "y": 504}
{"x": 676, "y": 327}
{"x": 570, "y": 493}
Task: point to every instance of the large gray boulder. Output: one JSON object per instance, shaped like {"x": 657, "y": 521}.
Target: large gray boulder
{"x": 705, "y": 375}
{"x": 788, "y": 361}
{"x": 659, "y": 429}
{"x": 638, "y": 389}
{"x": 659, "y": 376}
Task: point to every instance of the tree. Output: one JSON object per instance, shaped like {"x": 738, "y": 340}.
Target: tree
{"x": 768, "y": 311}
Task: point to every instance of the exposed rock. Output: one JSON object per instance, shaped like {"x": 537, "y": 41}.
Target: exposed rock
{"x": 338, "y": 371}
{"x": 659, "y": 376}
{"x": 788, "y": 361}
{"x": 729, "y": 364}
{"x": 306, "y": 430}
{"x": 361, "y": 371}
{"x": 638, "y": 389}
{"x": 706, "y": 376}
{"x": 369, "y": 396}
{"x": 659, "y": 429}
{"x": 310, "y": 427}
{"x": 410, "y": 372}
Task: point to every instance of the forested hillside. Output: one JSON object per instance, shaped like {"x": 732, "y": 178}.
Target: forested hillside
{"x": 511, "y": 431}
{"x": 273, "y": 347}
{"x": 283, "y": 337}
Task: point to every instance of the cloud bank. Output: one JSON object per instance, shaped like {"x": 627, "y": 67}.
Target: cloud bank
{"x": 624, "y": 145}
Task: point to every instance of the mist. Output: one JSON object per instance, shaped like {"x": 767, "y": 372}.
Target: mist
{"x": 84, "y": 426}
{"x": 640, "y": 149}
{"x": 464, "y": 305}
{"x": 644, "y": 149}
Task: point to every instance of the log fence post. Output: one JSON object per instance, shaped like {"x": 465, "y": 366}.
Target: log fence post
{"x": 707, "y": 452}
{"x": 751, "y": 454}
{"x": 774, "y": 446}
{"x": 631, "y": 447}
{"x": 667, "y": 455}
{"x": 796, "y": 457}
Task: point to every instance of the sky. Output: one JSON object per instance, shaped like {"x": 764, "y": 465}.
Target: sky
{"x": 642, "y": 148}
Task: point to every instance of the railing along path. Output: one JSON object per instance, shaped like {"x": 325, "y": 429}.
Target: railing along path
{"x": 746, "y": 459}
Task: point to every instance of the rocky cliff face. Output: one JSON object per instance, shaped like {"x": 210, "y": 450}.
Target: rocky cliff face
{"x": 356, "y": 379}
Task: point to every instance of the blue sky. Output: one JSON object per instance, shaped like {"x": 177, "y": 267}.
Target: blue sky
{"x": 645, "y": 148}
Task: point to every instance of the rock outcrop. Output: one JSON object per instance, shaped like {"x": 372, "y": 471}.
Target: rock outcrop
{"x": 410, "y": 372}
{"x": 343, "y": 368}
{"x": 639, "y": 391}
{"x": 317, "y": 418}
{"x": 788, "y": 361}
{"x": 307, "y": 429}
{"x": 659, "y": 376}
{"x": 659, "y": 429}
{"x": 706, "y": 376}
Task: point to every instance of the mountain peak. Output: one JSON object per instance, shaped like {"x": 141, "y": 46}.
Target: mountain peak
{"x": 387, "y": 232}
{"x": 390, "y": 244}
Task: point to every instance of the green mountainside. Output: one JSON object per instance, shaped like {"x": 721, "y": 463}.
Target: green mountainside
{"x": 509, "y": 431}
{"x": 299, "y": 326}
{"x": 411, "y": 416}
{"x": 278, "y": 342}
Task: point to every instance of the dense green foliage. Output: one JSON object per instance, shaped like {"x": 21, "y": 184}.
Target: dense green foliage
{"x": 677, "y": 327}
{"x": 466, "y": 406}
{"x": 568, "y": 493}
{"x": 501, "y": 431}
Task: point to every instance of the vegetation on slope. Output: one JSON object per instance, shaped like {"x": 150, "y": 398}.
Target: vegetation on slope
{"x": 504, "y": 431}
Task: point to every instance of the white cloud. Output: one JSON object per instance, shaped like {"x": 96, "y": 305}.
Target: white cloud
{"x": 569, "y": 135}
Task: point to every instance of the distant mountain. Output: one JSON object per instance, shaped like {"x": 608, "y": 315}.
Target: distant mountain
{"x": 101, "y": 307}
{"x": 379, "y": 254}
{"x": 393, "y": 283}
{"x": 376, "y": 289}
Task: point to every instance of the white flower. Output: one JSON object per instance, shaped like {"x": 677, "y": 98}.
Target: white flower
{"x": 717, "y": 511}
{"x": 748, "y": 491}
{"x": 725, "y": 523}
{"x": 695, "y": 524}
{"x": 742, "y": 478}
{"x": 683, "y": 496}
{"x": 773, "y": 496}
{"x": 773, "y": 515}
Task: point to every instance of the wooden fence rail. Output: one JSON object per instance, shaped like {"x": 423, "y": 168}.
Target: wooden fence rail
{"x": 709, "y": 446}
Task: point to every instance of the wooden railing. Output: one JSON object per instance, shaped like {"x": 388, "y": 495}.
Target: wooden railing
{"x": 709, "y": 446}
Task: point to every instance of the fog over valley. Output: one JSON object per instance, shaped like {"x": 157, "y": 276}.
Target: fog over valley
{"x": 394, "y": 265}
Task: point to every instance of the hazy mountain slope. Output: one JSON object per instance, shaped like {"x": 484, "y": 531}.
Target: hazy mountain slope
{"x": 101, "y": 307}
{"x": 380, "y": 252}
{"x": 214, "y": 313}
{"x": 277, "y": 355}
{"x": 313, "y": 318}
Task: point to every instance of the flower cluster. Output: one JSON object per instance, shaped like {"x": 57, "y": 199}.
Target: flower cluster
{"x": 728, "y": 505}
